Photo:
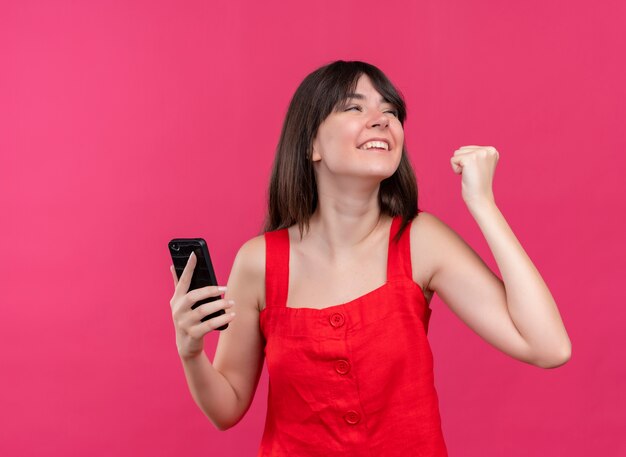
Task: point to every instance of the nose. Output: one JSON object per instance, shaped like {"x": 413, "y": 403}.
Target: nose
{"x": 378, "y": 119}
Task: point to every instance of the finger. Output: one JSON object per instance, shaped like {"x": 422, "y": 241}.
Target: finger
{"x": 185, "y": 277}
{"x": 204, "y": 292}
{"x": 174, "y": 277}
{"x": 458, "y": 160}
{"x": 207, "y": 326}
{"x": 467, "y": 150}
{"x": 207, "y": 309}
{"x": 457, "y": 164}
{"x": 494, "y": 151}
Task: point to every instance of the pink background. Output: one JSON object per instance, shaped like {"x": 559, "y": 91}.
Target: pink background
{"x": 124, "y": 124}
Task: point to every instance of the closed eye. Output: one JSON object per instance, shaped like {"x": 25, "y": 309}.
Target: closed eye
{"x": 392, "y": 111}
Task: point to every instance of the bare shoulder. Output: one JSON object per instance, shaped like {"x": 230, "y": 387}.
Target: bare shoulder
{"x": 430, "y": 226}
{"x": 466, "y": 284}
{"x": 250, "y": 259}
{"x": 442, "y": 251}
{"x": 428, "y": 235}
{"x": 252, "y": 253}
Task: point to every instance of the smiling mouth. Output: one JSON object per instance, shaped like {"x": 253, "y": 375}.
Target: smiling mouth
{"x": 374, "y": 149}
{"x": 377, "y": 144}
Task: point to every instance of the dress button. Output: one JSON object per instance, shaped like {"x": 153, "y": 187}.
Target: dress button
{"x": 352, "y": 417}
{"x": 342, "y": 366}
{"x": 336, "y": 319}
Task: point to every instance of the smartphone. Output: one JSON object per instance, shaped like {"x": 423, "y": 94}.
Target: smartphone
{"x": 203, "y": 273}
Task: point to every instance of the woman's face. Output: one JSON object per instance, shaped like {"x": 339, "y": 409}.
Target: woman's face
{"x": 340, "y": 144}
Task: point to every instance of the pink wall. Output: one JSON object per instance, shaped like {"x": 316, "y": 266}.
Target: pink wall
{"x": 124, "y": 124}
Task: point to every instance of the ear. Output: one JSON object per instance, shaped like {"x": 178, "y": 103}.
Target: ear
{"x": 315, "y": 156}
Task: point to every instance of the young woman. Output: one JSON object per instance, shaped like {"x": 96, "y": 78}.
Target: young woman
{"x": 335, "y": 292}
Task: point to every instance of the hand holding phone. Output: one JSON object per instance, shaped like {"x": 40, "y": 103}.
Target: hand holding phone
{"x": 197, "y": 308}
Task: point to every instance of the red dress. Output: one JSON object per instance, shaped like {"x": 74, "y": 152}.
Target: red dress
{"x": 354, "y": 379}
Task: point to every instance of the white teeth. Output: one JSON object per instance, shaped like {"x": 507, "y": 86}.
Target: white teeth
{"x": 375, "y": 144}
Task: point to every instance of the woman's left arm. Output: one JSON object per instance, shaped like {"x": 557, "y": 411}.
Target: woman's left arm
{"x": 528, "y": 300}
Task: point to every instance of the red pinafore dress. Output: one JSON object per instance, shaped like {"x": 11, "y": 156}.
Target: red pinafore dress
{"x": 354, "y": 379}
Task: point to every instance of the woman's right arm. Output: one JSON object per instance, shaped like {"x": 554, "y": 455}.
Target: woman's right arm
{"x": 224, "y": 390}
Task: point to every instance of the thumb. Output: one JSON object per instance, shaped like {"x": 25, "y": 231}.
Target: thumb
{"x": 174, "y": 277}
{"x": 457, "y": 164}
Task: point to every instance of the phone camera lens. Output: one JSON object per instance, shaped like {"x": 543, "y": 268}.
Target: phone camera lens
{"x": 175, "y": 247}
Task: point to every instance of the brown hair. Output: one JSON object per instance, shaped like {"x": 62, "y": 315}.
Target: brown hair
{"x": 292, "y": 193}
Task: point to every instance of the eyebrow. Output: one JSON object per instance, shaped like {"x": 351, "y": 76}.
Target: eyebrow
{"x": 362, "y": 97}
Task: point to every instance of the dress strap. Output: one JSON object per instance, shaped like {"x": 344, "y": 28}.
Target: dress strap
{"x": 277, "y": 261}
{"x": 399, "y": 253}
{"x": 276, "y": 268}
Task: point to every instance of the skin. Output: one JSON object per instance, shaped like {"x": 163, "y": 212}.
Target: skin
{"x": 516, "y": 314}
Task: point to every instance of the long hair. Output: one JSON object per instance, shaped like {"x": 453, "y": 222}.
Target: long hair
{"x": 292, "y": 193}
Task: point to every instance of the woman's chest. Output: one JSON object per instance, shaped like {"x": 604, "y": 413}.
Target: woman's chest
{"x": 313, "y": 285}
{"x": 316, "y": 283}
